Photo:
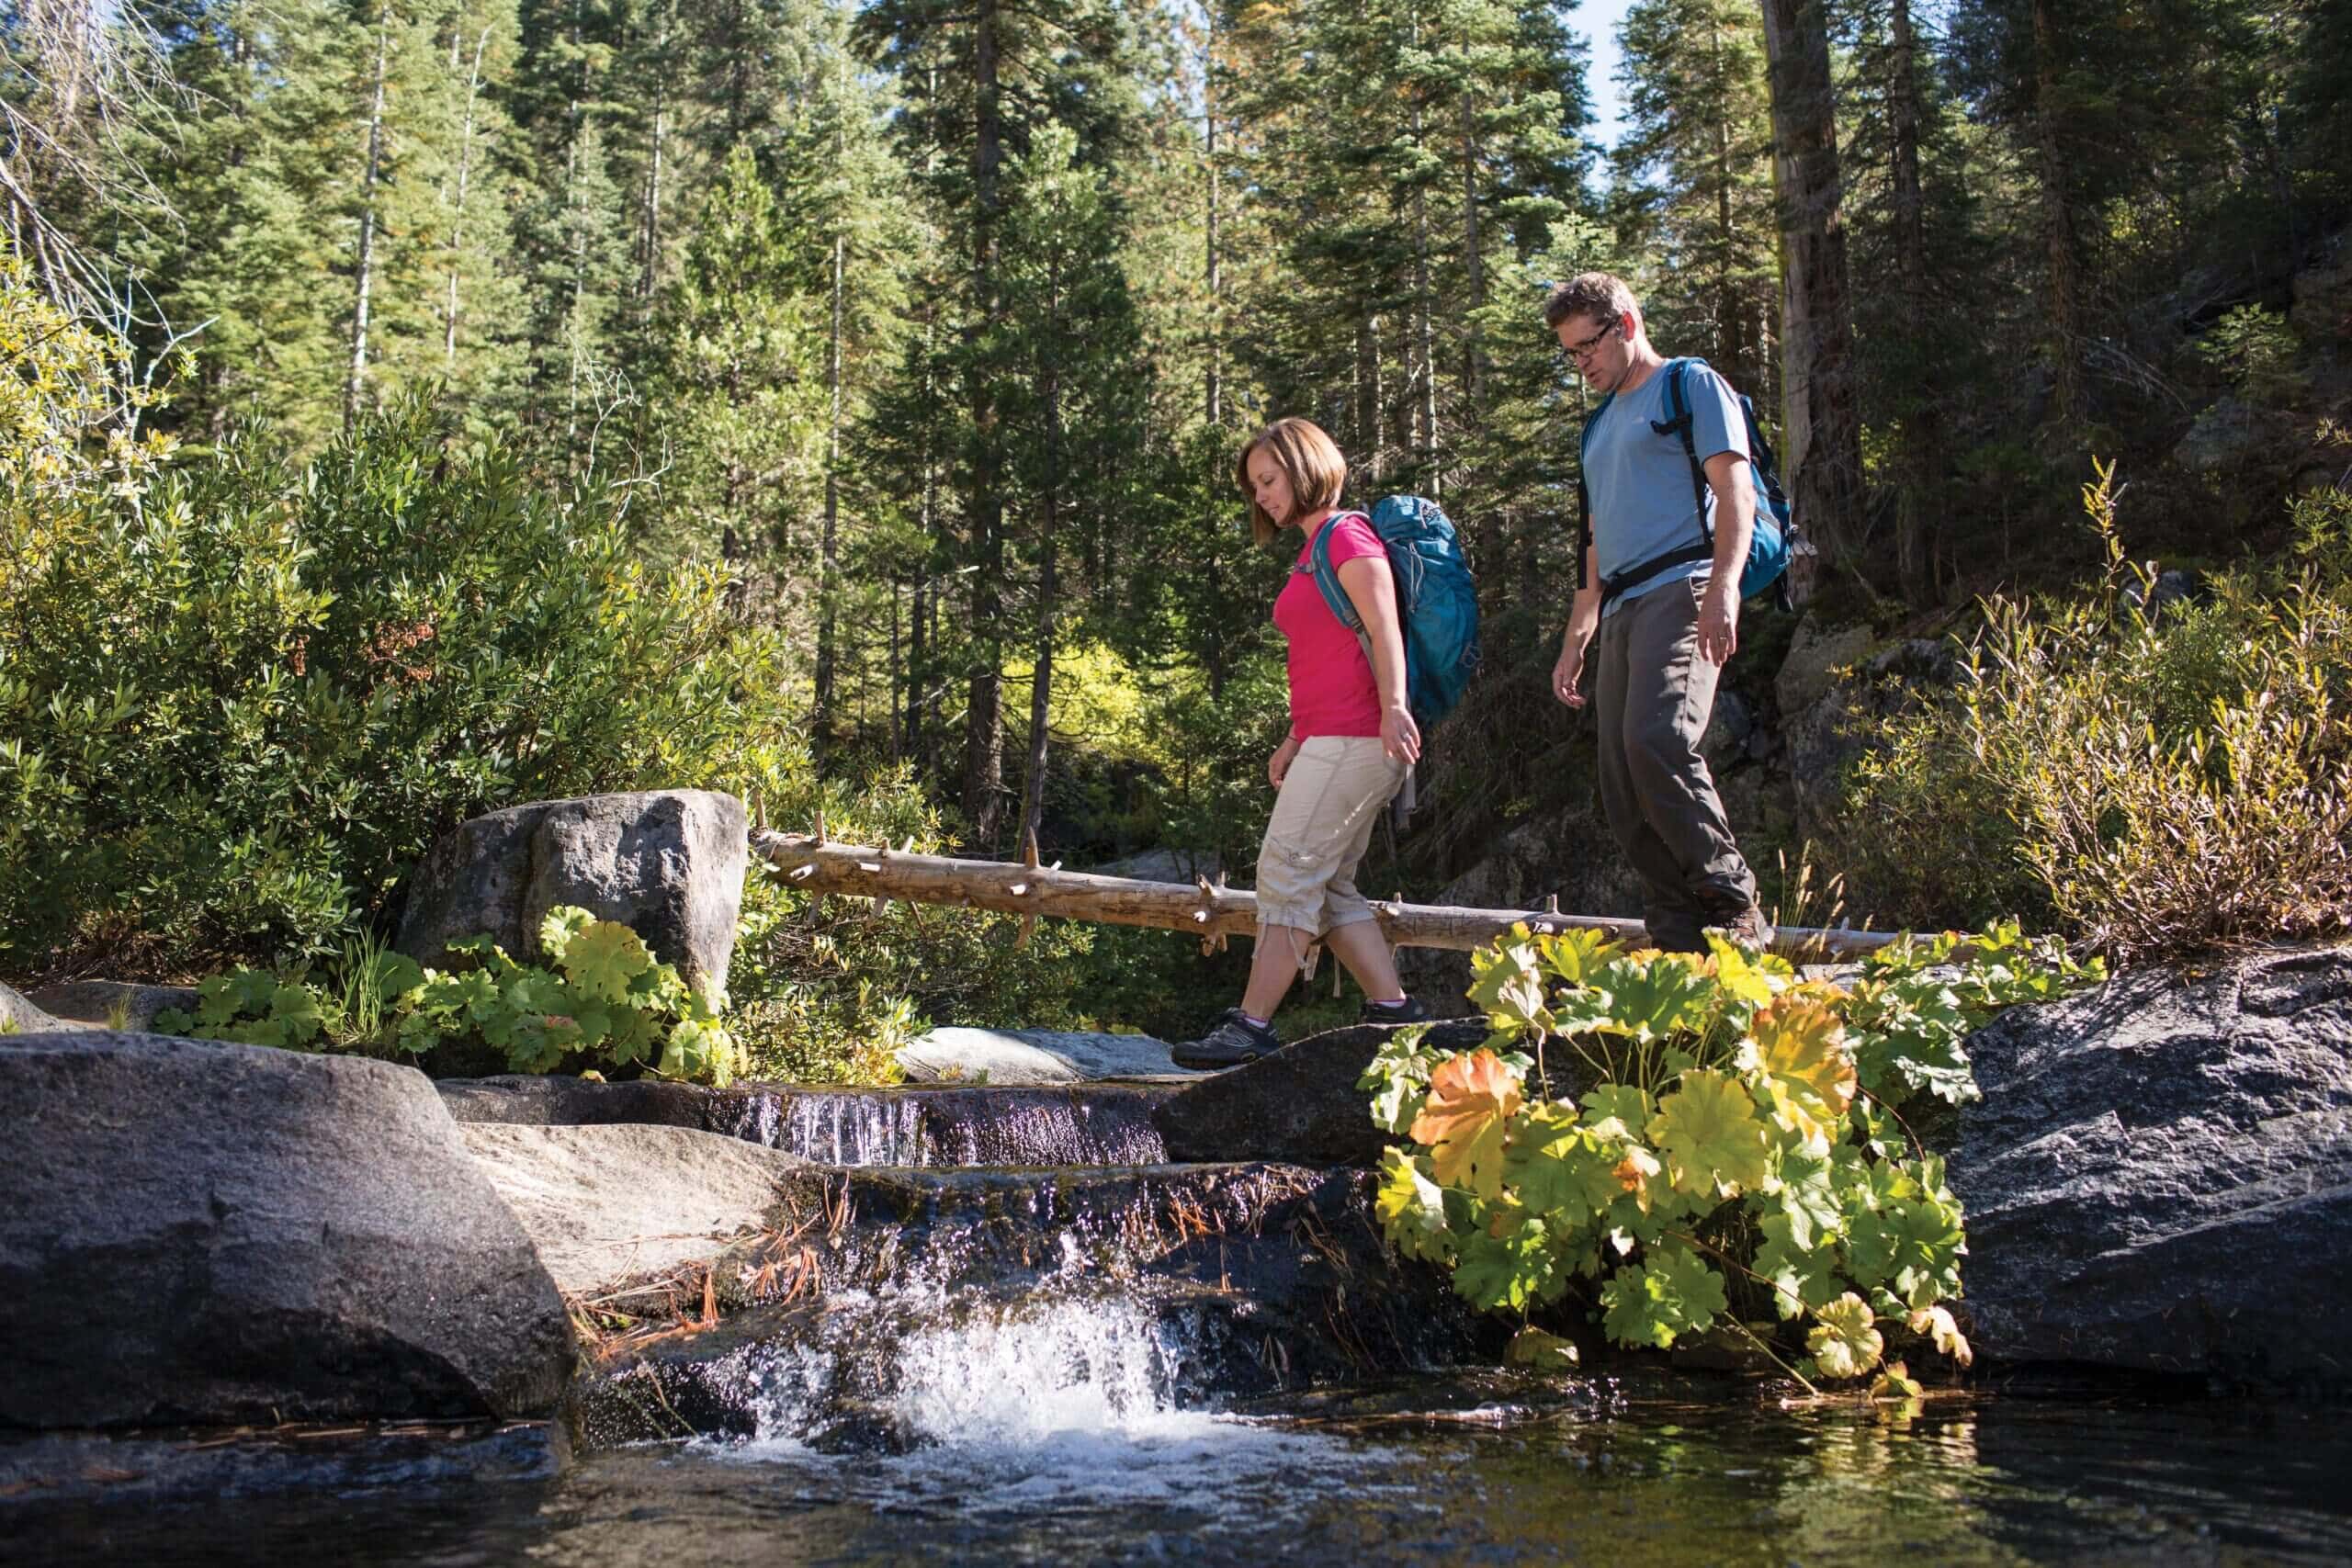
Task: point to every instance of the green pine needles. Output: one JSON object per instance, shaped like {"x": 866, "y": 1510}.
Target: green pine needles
{"x": 1738, "y": 1165}
{"x": 607, "y": 999}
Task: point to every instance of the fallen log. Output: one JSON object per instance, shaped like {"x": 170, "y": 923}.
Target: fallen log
{"x": 1210, "y": 912}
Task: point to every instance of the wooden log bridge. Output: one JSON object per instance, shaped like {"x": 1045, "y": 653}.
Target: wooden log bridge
{"x": 1211, "y": 911}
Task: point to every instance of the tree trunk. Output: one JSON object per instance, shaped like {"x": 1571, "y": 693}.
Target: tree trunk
{"x": 1214, "y": 400}
{"x": 1041, "y": 687}
{"x": 457, "y": 226}
{"x": 1822, "y": 423}
{"x": 2057, "y": 223}
{"x": 1474, "y": 258}
{"x": 829, "y": 571}
{"x": 813, "y": 866}
{"x": 357, "y": 384}
{"x": 1368, "y": 403}
{"x": 1922, "y": 462}
{"x": 984, "y": 722}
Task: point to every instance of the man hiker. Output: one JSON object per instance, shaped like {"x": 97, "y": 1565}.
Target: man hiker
{"x": 1665, "y": 607}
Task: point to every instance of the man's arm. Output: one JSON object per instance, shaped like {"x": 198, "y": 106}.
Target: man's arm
{"x": 1728, "y": 476}
{"x": 1584, "y": 617}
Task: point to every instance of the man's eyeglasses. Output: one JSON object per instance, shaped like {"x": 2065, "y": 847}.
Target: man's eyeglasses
{"x": 1578, "y": 350}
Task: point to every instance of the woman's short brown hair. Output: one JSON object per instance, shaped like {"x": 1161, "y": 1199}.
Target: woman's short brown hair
{"x": 1311, "y": 460}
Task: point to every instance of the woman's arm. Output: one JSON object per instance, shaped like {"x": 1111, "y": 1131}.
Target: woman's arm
{"x": 1373, "y": 591}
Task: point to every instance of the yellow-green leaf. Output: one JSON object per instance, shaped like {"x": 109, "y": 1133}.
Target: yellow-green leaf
{"x": 1710, "y": 1137}
{"x": 1846, "y": 1345}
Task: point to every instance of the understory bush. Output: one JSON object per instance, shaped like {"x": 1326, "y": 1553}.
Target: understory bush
{"x": 1739, "y": 1167}
{"x": 239, "y": 697}
{"x": 2159, "y": 779}
{"x": 602, "y": 999}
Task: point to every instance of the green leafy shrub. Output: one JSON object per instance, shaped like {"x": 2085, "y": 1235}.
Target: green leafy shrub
{"x": 1739, "y": 1157}
{"x": 2157, "y": 784}
{"x": 252, "y": 1007}
{"x": 827, "y": 989}
{"x": 607, "y": 1000}
{"x": 241, "y": 697}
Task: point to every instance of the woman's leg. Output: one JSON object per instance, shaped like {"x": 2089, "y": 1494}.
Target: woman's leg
{"x": 1272, "y": 968}
{"x": 1360, "y": 946}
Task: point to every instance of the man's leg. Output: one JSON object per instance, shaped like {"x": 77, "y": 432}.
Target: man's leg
{"x": 1667, "y": 910}
{"x": 1671, "y": 695}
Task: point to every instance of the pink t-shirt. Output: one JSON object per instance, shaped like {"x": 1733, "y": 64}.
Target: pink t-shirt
{"x": 1331, "y": 687}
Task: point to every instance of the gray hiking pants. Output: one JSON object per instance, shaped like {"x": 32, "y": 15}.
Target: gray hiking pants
{"x": 1653, "y": 693}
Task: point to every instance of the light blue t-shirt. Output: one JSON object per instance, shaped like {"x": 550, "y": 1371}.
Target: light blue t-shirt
{"x": 1639, "y": 481}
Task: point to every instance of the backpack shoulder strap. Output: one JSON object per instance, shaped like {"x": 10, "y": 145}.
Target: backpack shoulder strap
{"x": 1678, "y": 422}
{"x": 1327, "y": 576}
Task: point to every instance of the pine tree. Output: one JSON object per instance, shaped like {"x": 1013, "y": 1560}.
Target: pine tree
{"x": 1694, "y": 181}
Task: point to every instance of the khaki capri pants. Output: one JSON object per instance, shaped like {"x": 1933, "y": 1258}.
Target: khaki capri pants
{"x": 1335, "y": 791}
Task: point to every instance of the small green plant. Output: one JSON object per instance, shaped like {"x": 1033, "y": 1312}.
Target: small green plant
{"x": 607, "y": 997}
{"x": 2255, "y": 349}
{"x": 252, "y": 1006}
{"x": 1739, "y": 1158}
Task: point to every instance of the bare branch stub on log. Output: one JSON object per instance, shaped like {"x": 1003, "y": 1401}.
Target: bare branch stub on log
{"x": 1208, "y": 912}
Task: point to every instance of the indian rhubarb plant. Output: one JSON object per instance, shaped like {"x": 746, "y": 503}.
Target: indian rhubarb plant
{"x": 1739, "y": 1164}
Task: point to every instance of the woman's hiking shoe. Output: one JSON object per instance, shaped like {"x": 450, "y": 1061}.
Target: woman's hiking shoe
{"x": 1413, "y": 1010}
{"x": 1233, "y": 1041}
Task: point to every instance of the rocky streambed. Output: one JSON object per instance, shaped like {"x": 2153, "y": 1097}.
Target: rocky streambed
{"x": 213, "y": 1240}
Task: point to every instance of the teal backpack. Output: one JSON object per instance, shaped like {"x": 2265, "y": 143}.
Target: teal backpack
{"x": 1437, "y": 603}
{"x": 1774, "y": 539}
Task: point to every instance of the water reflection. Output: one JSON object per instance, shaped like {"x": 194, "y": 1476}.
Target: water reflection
{"x": 1477, "y": 1470}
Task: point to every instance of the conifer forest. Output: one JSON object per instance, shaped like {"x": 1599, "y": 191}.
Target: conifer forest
{"x": 930, "y": 330}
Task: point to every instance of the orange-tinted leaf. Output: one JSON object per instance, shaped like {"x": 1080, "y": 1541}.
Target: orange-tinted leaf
{"x": 1472, "y": 1099}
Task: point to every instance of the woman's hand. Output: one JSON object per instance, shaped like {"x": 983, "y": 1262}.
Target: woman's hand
{"x": 1279, "y": 763}
{"x": 1399, "y": 736}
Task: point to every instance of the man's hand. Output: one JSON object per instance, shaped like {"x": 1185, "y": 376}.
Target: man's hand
{"x": 1279, "y": 763}
{"x": 1719, "y": 621}
{"x": 1567, "y": 673}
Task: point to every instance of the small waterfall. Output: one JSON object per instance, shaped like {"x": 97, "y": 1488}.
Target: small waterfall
{"x": 852, "y": 1129}
{"x": 966, "y": 1127}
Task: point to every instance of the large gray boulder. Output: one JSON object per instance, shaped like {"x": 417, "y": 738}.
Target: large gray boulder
{"x": 2159, "y": 1177}
{"x": 667, "y": 863}
{"x": 18, "y": 1016}
{"x": 1300, "y": 1105}
{"x": 200, "y": 1233}
{"x": 108, "y": 1004}
{"x": 608, "y": 1205}
{"x": 962, "y": 1054}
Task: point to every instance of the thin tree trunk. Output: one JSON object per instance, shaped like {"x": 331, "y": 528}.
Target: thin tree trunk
{"x": 1368, "y": 445}
{"x": 1822, "y": 423}
{"x": 1215, "y": 399}
{"x": 457, "y": 226}
{"x": 816, "y": 865}
{"x": 357, "y": 384}
{"x": 1474, "y": 258}
{"x": 2057, "y": 221}
{"x": 1922, "y": 450}
{"x": 829, "y": 572}
{"x": 984, "y": 717}
{"x": 1041, "y": 687}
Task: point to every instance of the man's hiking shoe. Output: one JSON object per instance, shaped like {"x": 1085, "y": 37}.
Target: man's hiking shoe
{"x": 1233, "y": 1041}
{"x": 1413, "y": 1010}
{"x": 1750, "y": 928}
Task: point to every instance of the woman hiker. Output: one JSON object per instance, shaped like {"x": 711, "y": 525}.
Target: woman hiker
{"x": 1351, "y": 738}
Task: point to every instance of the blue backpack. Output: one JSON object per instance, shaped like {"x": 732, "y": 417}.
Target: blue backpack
{"x": 1775, "y": 535}
{"x": 1436, "y": 602}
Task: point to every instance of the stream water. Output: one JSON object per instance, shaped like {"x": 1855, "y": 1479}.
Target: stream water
{"x": 1053, "y": 1442}
{"x": 1011, "y": 1364}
